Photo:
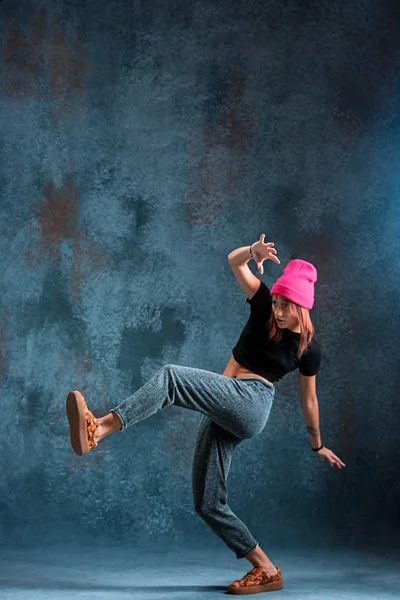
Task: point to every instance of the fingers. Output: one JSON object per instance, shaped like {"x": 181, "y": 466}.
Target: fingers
{"x": 333, "y": 460}
{"x": 272, "y": 256}
{"x": 336, "y": 460}
{"x": 271, "y": 253}
{"x": 260, "y": 268}
{"x": 268, "y": 244}
{"x": 336, "y": 464}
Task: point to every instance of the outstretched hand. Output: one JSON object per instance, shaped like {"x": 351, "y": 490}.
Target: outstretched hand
{"x": 263, "y": 252}
{"x": 332, "y": 459}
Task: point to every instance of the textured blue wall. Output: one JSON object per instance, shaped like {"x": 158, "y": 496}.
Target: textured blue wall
{"x": 140, "y": 143}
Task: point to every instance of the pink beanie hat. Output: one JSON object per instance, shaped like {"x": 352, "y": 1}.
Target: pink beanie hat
{"x": 297, "y": 283}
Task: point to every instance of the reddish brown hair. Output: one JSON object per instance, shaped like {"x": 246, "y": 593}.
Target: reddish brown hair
{"x": 306, "y": 326}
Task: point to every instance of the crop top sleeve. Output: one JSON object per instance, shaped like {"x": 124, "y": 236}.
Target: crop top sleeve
{"x": 310, "y": 362}
{"x": 261, "y": 302}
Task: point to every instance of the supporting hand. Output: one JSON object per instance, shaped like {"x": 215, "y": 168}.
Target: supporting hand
{"x": 333, "y": 460}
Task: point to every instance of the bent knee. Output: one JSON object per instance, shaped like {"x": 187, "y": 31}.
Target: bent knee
{"x": 248, "y": 431}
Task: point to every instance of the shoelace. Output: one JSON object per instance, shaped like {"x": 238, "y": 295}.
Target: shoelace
{"x": 256, "y": 575}
{"x": 92, "y": 425}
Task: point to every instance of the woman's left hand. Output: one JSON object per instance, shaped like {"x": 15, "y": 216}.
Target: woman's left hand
{"x": 332, "y": 459}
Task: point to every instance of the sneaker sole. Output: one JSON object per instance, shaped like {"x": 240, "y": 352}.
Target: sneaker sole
{"x": 75, "y": 408}
{"x": 274, "y": 586}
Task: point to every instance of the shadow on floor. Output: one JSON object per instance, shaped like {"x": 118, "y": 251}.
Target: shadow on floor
{"x": 93, "y": 587}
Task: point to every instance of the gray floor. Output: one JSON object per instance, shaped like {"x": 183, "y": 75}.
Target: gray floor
{"x": 119, "y": 573}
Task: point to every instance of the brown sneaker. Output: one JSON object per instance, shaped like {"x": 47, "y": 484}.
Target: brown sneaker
{"x": 82, "y": 424}
{"x": 256, "y": 581}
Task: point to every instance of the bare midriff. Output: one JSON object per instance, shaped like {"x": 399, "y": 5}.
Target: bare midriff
{"x": 234, "y": 369}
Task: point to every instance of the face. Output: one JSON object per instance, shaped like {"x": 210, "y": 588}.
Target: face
{"x": 282, "y": 313}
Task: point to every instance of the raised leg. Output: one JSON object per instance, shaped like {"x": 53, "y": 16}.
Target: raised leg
{"x": 241, "y": 406}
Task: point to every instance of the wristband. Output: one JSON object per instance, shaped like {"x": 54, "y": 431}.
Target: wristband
{"x": 317, "y": 449}
{"x": 251, "y": 253}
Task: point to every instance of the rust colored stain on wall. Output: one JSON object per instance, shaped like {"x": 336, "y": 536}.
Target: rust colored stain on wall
{"x": 216, "y": 174}
{"x": 43, "y": 62}
{"x": 57, "y": 222}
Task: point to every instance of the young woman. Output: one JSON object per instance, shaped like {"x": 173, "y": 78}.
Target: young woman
{"x": 277, "y": 339}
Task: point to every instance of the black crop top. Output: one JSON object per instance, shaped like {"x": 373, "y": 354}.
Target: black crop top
{"x": 270, "y": 359}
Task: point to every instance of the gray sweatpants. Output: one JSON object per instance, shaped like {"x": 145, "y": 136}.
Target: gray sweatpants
{"x": 233, "y": 410}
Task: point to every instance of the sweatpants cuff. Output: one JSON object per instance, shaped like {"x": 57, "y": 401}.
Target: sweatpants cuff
{"x": 121, "y": 418}
{"x": 247, "y": 551}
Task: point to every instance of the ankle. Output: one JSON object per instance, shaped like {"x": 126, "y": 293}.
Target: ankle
{"x": 269, "y": 568}
{"x": 108, "y": 424}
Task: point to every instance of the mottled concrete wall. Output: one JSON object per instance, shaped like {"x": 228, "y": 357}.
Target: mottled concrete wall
{"x": 140, "y": 143}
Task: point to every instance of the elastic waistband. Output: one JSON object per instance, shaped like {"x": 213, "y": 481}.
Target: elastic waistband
{"x": 265, "y": 383}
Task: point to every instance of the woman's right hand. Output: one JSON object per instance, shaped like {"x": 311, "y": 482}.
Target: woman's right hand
{"x": 263, "y": 252}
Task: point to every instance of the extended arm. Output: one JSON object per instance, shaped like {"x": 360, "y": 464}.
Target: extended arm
{"x": 310, "y": 409}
